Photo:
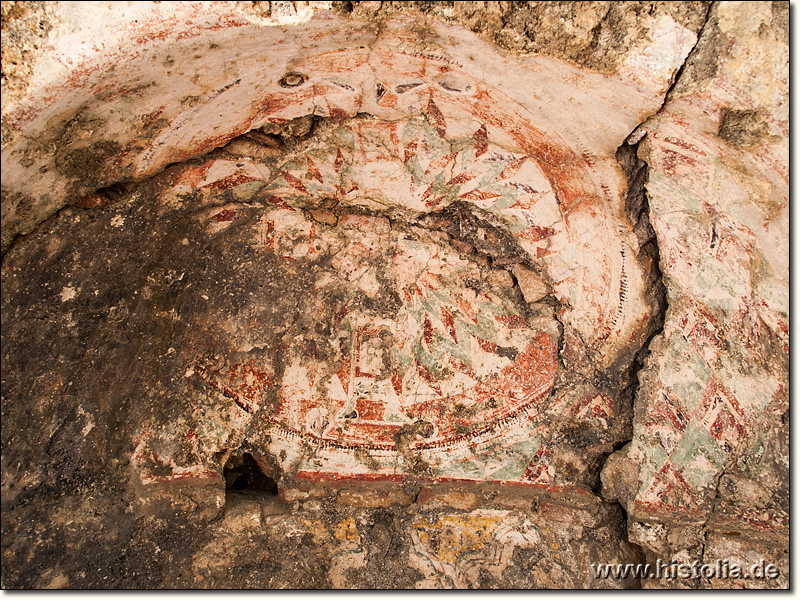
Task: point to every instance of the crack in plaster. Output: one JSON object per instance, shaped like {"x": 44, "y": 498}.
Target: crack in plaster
{"x": 631, "y": 144}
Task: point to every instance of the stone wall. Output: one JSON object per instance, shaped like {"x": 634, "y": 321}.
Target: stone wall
{"x": 376, "y": 294}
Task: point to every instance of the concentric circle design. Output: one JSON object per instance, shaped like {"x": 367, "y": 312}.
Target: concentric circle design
{"x": 427, "y": 355}
{"x": 465, "y": 247}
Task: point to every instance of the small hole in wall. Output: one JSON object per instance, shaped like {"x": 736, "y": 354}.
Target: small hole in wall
{"x": 242, "y": 475}
{"x": 425, "y": 429}
{"x": 292, "y": 79}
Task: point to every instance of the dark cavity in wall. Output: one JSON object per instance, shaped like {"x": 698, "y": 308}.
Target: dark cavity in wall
{"x": 637, "y": 208}
{"x": 243, "y": 475}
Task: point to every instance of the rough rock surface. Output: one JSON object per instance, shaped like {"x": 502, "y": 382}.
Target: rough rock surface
{"x": 364, "y": 294}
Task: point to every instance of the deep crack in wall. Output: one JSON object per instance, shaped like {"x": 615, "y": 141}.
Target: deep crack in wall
{"x": 363, "y": 310}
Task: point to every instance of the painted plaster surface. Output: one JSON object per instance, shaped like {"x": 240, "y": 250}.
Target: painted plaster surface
{"x": 131, "y": 122}
{"x": 714, "y": 395}
{"x": 453, "y": 550}
{"x": 429, "y": 360}
{"x": 300, "y": 297}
